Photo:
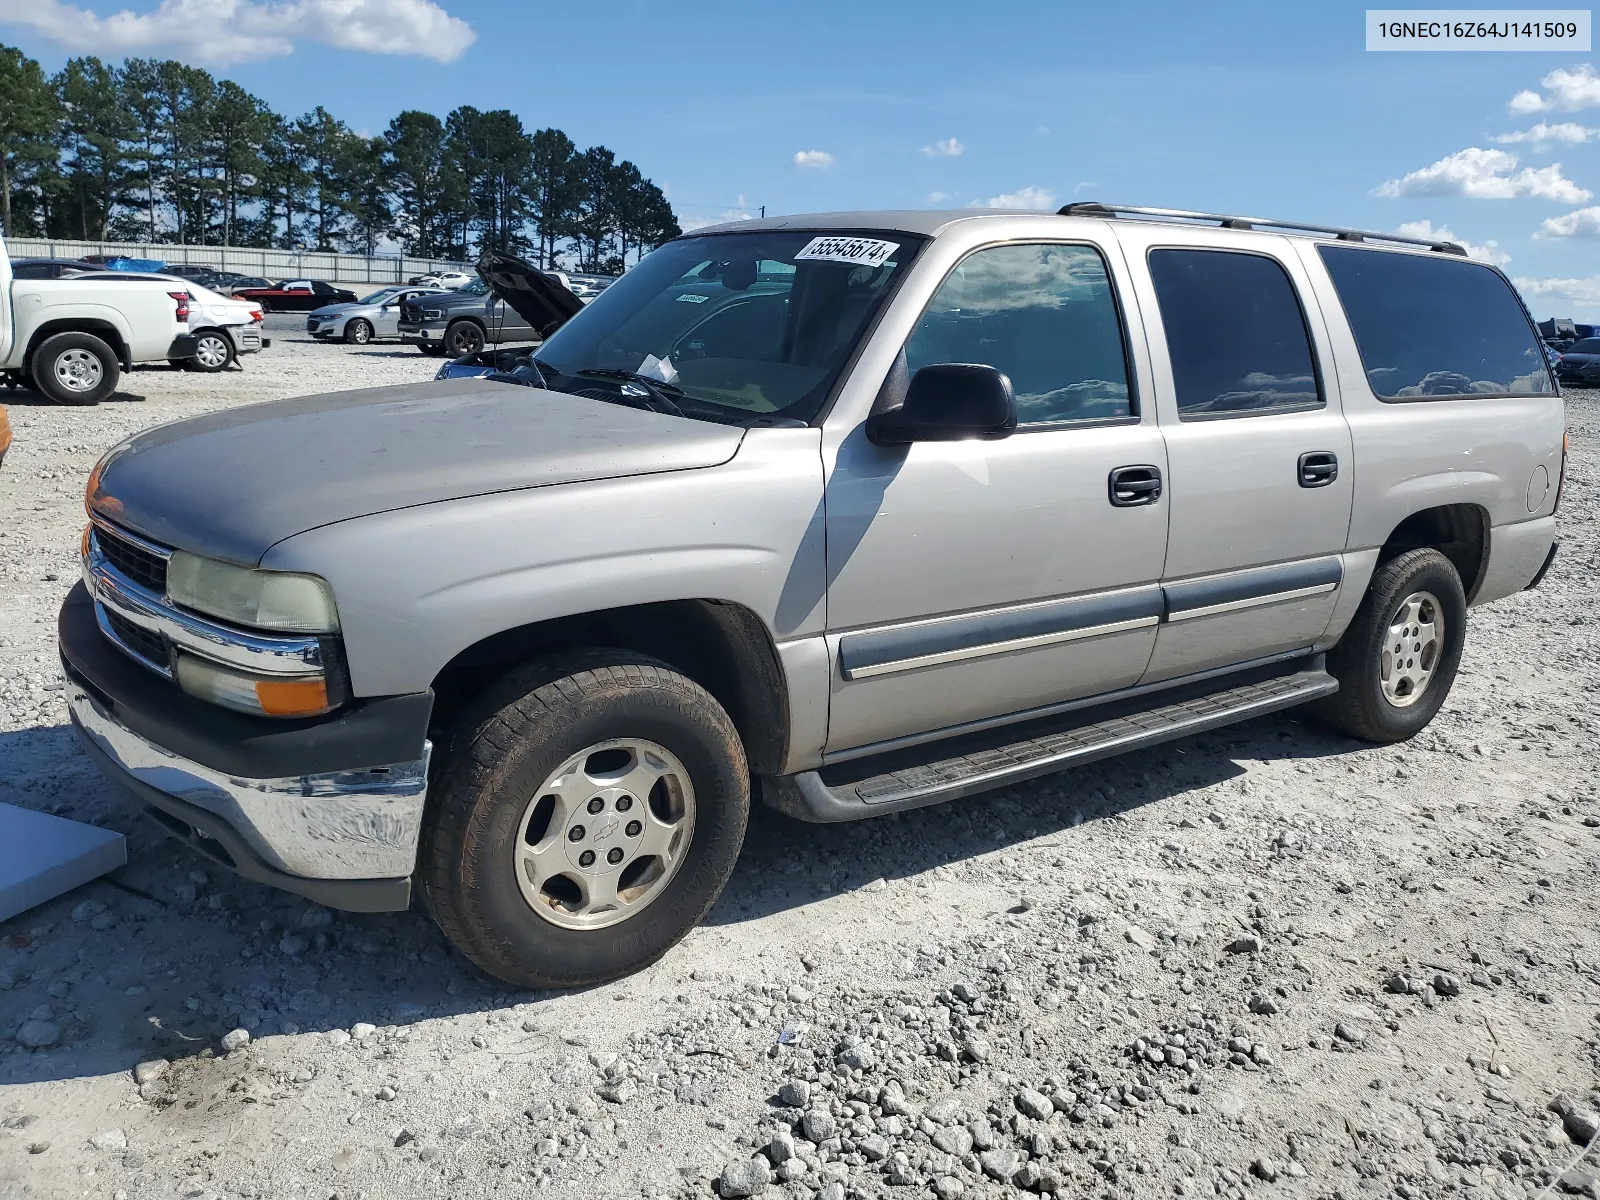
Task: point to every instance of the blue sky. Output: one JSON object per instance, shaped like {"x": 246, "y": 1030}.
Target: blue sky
{"x": 1269, "y": 109}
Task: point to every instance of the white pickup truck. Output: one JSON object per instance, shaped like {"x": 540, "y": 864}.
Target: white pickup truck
{"x": 71, "y": 339}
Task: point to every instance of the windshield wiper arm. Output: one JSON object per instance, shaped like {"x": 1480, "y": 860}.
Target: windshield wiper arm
{"x": 658, "y": 390}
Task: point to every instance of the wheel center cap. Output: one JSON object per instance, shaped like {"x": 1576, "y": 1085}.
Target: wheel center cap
{"x": 603, "y": 835}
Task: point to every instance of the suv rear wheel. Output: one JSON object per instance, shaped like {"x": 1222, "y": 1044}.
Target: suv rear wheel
{"x": 464, "y": 337}
{"x": 1396, "y": 662}
{"x": 592, "y": 810}
{"x": 75, "y": 368}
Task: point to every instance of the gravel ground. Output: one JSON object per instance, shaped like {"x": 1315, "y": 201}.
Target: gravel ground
{"x": 1263, "y": 961}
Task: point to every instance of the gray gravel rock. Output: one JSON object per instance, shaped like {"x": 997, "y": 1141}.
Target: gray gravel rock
{"x": 1000, "y": 1164}
{"x": 796, "y": 1093}
{"x": 819, "y": 1125}
{"x": 747, "y": 1178}
{"x": 149, "y": 1071}
{"x": 1248, "y": 944}
{"x": 38, "y": 1035}
{"x": 235, "y": 1039}
{"x": 1034, "y": 1104}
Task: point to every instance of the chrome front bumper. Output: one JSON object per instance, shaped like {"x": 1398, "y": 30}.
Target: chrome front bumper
{"x": 360, "y": 824}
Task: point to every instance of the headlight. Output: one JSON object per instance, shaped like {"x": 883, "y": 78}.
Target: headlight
{"x": 433, "y": 314}
{"x": 274, "y": 600}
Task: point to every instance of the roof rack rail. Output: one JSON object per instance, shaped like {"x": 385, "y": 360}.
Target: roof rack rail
{"x": 1093, "y": 208}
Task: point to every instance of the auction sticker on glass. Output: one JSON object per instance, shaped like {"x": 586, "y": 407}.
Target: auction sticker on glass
{"x": 1560, "y": 29}
{"x": 867, "y": 252}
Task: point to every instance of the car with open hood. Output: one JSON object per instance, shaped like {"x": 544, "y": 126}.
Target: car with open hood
{"x": 492, "y": 310}
{"x": 374, "y": 317}
{"x": 849, "y": 514}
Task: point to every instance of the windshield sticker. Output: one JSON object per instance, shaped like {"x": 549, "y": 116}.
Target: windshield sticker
{"x": 867, "y": 252}
{"x": 691, "y": 298}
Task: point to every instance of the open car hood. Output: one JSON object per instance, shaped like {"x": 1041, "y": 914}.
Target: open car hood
{"x": 538, "y": 299}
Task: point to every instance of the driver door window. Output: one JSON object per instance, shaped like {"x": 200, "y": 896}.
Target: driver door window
{"x": 1044, "y": 315}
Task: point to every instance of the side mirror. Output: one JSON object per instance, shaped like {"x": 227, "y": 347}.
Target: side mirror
{"x": 948, "y": 402}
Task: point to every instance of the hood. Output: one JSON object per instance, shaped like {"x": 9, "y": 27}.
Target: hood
{"x": 538, "y": 299}
{"x": 333, "y": 310}
{"x": 230, "y": 484}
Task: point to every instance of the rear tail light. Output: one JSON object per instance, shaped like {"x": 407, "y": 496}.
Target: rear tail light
{"x": 255, "y": 314}
{"x": 182, "y": 299}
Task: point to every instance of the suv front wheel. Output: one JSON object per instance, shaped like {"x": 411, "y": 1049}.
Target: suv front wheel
{"x": 1396, "y": 662}
{"x": 592, "y": 810}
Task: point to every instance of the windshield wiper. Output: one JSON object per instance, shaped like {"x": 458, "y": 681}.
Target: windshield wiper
{"x": 661, "y": 392}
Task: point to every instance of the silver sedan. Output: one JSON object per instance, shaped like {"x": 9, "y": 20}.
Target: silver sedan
{"x": 374, "y": 316}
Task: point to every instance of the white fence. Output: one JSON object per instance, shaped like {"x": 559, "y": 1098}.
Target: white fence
{"x": 247, "y": 260}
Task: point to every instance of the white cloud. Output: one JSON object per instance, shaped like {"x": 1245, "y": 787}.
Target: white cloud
{"x": 1485, "y": 175}
{"x": 1577, "y": 291}
{"x": 1083, "y": 185}
{"x": 224, "y": 32}
{"x": 1580, "y": 223}
{"x": 945, "y": 148}
{"x": 1567, "y": 132}
{"x": 728, "y": 214}
{"x": 1488, "y": 252}
{"x": 1568, "y": 89}
{"x": 813, "y": 159}
{"x": 1026, "y": 197}
{"x": 937, "y": 197}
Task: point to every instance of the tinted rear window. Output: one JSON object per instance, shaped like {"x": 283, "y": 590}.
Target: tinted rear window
{"x": 1430, "y": 326}
{"x": 1235, "y": 334}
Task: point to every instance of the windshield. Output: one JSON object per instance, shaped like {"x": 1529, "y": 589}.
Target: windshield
{"x": 476, "y": 288}
{"x": 759, "y": 324}
{"x": 1587, "y": 346}
{"x": 381, "y": 296}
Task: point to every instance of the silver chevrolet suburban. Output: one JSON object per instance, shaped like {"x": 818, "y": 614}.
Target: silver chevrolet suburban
{"x": 854, "y": 513}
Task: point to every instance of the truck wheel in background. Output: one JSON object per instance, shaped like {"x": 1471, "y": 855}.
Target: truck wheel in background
{"x": 358, "y": 332}
{"x": 213, "y": 352}
{"x": 591, "y": 809}
{"x": 74, "y": 368}
{"x": 1396, "y": 662}
{"x": 464, "y": 337}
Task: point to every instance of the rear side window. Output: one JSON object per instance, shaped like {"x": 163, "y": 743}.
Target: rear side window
{"x": 1235, "y": 334}
{"x": 1432, "y": 327}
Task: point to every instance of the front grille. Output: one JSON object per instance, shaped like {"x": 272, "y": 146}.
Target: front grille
{"x": 312, "y": 323}
{"x": 151, "y": 647}
{"x": 138, "y": 564}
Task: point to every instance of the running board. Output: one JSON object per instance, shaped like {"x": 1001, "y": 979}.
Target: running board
{"x": 809, "y": 797}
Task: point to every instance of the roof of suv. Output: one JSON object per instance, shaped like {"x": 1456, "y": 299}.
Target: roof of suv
{"x": 930, "y": 222}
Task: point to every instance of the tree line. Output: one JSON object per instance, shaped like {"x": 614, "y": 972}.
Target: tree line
{"x": 159, "y": 151}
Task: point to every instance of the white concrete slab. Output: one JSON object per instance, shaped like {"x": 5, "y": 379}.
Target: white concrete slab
{"x": 42, "y": 857}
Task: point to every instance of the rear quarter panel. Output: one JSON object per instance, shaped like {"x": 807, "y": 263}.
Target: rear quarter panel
{"x": 141, "y": 312}
{"x": 1485, "y": 450}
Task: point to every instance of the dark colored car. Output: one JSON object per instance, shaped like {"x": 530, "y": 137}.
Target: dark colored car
{"x": 50, "y": 268}
{"x": 1580, "y": 364}
{"x": 296, "y": 295}
{"x": 511, "y": 301}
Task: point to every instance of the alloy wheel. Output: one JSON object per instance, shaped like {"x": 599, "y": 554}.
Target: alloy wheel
{"x": 605, "y": 834}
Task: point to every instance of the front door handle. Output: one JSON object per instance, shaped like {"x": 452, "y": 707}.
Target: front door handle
{"x": 1130, "y": 487}
{"x": 1318, "y": 468}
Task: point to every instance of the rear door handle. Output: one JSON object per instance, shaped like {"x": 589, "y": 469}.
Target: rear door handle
{"x": 1318, "y": 468}
{"x": 1130, "y": 487}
